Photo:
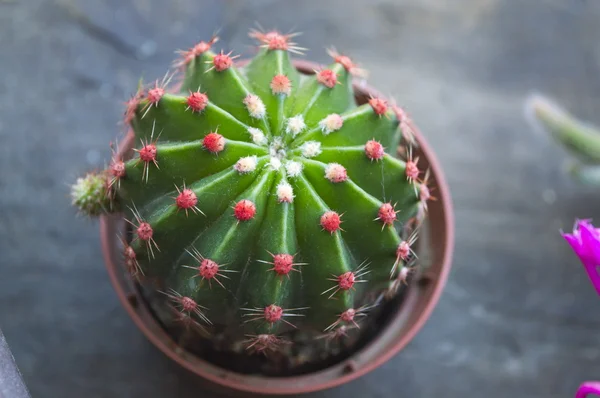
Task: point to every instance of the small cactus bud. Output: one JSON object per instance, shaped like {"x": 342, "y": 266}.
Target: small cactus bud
{"x": 335, "y": 173}
{"x": 197, "y": 101}
{"x": 346, "y": 280}
{"x": 403, "y": 275}
{"x": 208, "y": 269}
{"x": 129, "y": 253}
{"x": 347, "y": 63}
{"x": 222, "y": 61}
{"x": 403, "y": 250}
{"x": 331, "y": 221}
{"x": 258, "y": 137}
{"x": 148, "y": 153}
{"x": 276, "y": 41}
{"x": 285, "y": 192}
{"x": 273, "y": 313}
{"x": 374, "y": 150}
{"x": 310, "y": 149}
{"x": 332, "y": 122}
{"x": 295, "y": 125}
{"x": 256, "y": 108}
{"x": 90, "y": 194}
{"x": 246, "y": 164}
{"x": 412, "y": 171}
{"x": 379, "y": 106}
{"x": 186, "y": 199}
{"x": 283, "y": 263}
{"x": 293, "y": 169}
{"x": 387, "y": 214}
{"x": 327, "y": 77}
{"x": 117, "y": 169}
{"x": 348, "y": 315}
{"x": 213, "y": 142}
{"x": 144, "y": 231}
{"x": 203, "y": 46}
{"x": 244, "y": 210}
{"x": 274, "y": 163}
{"x": 264, "y": 343}
{"x": 405, "y": 124}
{"x": 199, "y": 49}
{"x": 155, "y": 94}
{"x": 131, "y": 263}
{"x": 188, "y": 304}
{"x": 281, "y": 84}
{"x": 131, "y": 107}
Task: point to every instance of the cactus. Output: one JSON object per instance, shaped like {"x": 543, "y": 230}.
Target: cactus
{"x": 577, "y": 137}
{"x": 91, "y": 194}
{"x": 267, "y": 207}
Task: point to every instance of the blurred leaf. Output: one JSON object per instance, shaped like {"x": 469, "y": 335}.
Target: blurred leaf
{"x": 585, "y": 174}
{"x": 577, "y": 137}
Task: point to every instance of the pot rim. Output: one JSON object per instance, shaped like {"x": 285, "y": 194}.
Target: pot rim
{"x": 391, "y": 339}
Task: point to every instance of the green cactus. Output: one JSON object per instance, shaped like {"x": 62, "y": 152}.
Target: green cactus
{"x": 580, "y": 139}
{"x": 91, "y": 194}
{"x": 265, "y": 202}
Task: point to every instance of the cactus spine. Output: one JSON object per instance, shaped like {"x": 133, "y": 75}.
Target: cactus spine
{"x": 267, "y": 204}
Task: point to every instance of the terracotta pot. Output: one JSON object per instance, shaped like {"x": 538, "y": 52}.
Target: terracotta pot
{"x": 422, "y": 295}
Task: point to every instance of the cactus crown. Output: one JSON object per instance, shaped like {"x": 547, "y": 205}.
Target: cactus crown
{"x": 266, "y": 204}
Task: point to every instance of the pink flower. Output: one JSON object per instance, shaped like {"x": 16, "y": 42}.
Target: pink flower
{"x": 587, "y": 388}
{"x": 585, "y": 241}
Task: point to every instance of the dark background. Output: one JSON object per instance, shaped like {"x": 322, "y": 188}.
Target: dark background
{"x": 518, "y": 316}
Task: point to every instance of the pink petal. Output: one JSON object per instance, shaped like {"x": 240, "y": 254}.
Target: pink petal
{"x": 575, "y": 243}
{"x": 587, "y": 388}
{"x": 585, "y": 241}
{"x": 590, "y": 242}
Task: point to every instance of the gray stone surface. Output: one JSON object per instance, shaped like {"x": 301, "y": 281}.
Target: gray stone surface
{"x": 11, "y": 381}
{"x": 518, "y": 317}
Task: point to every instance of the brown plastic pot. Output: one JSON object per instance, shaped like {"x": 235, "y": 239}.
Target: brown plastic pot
{"x": 436, "y": 249}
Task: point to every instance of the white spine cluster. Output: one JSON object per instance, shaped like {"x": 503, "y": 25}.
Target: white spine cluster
{"x": 276, "y": 146}
{"x": 275, "y": 163}
{"x": 310, "y": 149}
{"x": 295, "y": 125}
{"x": 293, "y": 168}
{"x": 258, "y": 137}
{"x": 335, "y": 172}
{"x": 246, "y": 164}
{"x": 256, "y": 108}
{"x": 285, "y": 192}
{"x": 331, "y": 123}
